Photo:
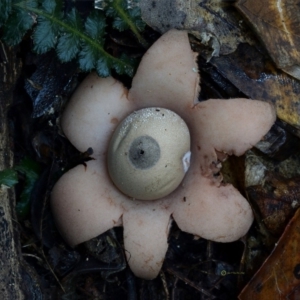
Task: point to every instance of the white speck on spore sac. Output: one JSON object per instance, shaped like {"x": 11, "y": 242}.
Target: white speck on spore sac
{"x": 186, "y": 161}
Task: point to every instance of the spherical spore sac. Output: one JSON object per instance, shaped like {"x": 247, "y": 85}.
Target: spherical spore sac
{"x": 148, "y": 153}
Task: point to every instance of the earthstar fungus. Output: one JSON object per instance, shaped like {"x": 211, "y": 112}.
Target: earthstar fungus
{"x": 86, "y": 202}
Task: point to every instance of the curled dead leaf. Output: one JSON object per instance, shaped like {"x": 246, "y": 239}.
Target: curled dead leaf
{"x": 277, "y": 23}
{"x": 278, "y": 278}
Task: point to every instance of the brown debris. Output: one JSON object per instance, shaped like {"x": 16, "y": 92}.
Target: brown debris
{"x": 277, "y": 201}
{"x": 277, "y": 25}
{"x": 278, "y": 278}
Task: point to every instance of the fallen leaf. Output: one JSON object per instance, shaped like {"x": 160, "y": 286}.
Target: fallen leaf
{"x": 257, "y": 78}
{"x": 277, "y": 23}
{"x": 216, "y": 23}
{"x": 279, "y": 276}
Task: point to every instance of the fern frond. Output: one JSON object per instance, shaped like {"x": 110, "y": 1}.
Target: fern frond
{"x": 47, "y": 30}
{"x": 68, "y": 39}
{"x": 126, "y": 18}
{"x": 70, "y": 35}
{"x": 123, "y": 68}
{"x": 5, "y": 10}
{"x": 18, "y": 22}
{"x": 91, "y": 51}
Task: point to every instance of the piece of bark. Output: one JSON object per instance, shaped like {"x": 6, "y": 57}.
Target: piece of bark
{"x": 10, "y": 270}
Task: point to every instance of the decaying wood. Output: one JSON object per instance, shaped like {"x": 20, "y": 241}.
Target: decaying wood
{"x": 10, "y": 268}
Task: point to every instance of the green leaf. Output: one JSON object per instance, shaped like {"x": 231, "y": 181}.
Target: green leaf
{"x": 135, "y": 14}
{"x": 5, "y": 10}
{"x": 120, "y": 24}
{"x": 31, "y": 170}
{"x": 47, "y": 30}
{"x": 92, "y": 56}
{"x": 8, "y": 178}
{"x": 126, "y": 18}
{"x": 69, "y": 43}
{"x": 125, "y": 66}
{"x": 53, "y": 7}
{"x": 25, "y": 3}
{"x": 44, "y": 36}
{"x": 18, "y": 23}
{"x": 111, "y": 11}
{"x": 103, "y": 66}
{"x": 95, "y": 26}
{"x": 69, "y": 35}
{"x": 87, "y": 57}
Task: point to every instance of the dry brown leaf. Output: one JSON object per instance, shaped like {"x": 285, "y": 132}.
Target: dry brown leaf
{"x": 214, "y": 22}
{"x": 279, "y": 277}
{"x": 257, "y": 78}
{"x": 278, "y": 25}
